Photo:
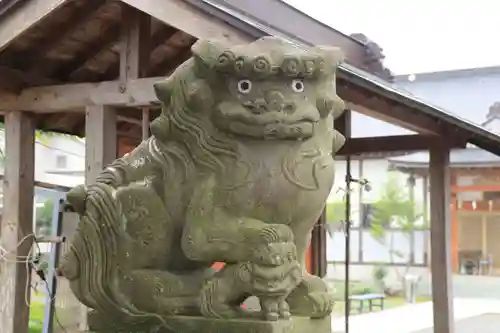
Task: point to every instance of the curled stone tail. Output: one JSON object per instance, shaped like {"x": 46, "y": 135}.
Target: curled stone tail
{"x": 94, "y": 262}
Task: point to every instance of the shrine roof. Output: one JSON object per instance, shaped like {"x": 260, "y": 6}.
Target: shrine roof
{"x": 459, "y": 158}
{"x": 65, "y": 42}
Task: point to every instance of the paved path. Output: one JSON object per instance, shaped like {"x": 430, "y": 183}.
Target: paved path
{"x": 417, "y": 317}
{"x": 486, "y": 323}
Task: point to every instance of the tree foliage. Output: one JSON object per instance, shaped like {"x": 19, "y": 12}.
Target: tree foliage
{"x": 335, "y": 211}
{"x": 395, "y": 208}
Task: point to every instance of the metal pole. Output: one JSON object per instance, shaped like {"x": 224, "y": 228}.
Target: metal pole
{"x": 48, "y": 320}
{"x": 348, "y": 179}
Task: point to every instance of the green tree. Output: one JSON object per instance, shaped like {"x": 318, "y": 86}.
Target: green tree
{"x": 395, "y": 208}
{"x": 335, "y": 212}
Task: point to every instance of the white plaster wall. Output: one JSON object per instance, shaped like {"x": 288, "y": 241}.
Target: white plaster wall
{"x": 46, "y": 152}
{"x": 377, "y": 173}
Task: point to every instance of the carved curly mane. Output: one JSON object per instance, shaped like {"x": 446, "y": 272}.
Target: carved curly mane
{"x": 187, "y": 102}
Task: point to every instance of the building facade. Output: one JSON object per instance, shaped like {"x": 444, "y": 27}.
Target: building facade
{"x": 470, "y": 94}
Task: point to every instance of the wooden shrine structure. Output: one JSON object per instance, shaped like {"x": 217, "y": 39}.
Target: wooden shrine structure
{"x": 87, "y": 67}
{"x": 475, "y": 205}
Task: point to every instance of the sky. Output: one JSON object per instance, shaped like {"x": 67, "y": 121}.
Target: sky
{"x": 418, "y": 35}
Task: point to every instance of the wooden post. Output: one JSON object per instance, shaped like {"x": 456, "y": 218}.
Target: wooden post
{"x": 17, "y": 222}
{"x": 100, "y": 140}
{"x": 425, "y": 195}
{"x": 411, "y": 189}
{"x": 361, "y": 231}
{"x": 145, "y": 123}
{"x": 454, "y": 233}
{"x": 318, "y": 247}
{"x": 100, "y": 150}
{"x": 135, "y": 44}
{"x": 441, "y": 267}
{"x": 484, "y": 236}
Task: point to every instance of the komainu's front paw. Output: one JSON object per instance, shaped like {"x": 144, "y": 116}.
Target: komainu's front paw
{"x": 274, "y": 246}
{"x": 312, "y": 298}
{"x": 76, "y": 198}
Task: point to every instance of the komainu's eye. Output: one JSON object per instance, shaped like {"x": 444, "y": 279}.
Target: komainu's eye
{"x": 244, "y": 86}
{"x": 298, "y": 86}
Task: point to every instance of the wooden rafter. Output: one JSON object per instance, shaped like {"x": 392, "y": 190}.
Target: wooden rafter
{"x": 190, "y": 19}
{"x": 14, "y": 80}
{"x": 106, "y": 40}
{"x": 25, "y": 17}
{"x": 32, "y": 62}
{"x": 168, "y": 65}
{"x": 161, "y": 36}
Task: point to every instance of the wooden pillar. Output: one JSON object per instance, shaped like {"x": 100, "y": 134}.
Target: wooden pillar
{"x": 145, "y": 123}
{"x": 484, "y": 235}
{"x": 454, "y": 233}
{"x": 425, "y": 195}
{"x": 17, "y": 222}
{"x": 361, "y": 231}
{"x": 318, "y": 263}
{"x": 442, "y": 293}
{"x": 100, "y": 140}
{"x": 135, "y": 44}
{"x": 411, "y": 189}
{"x": 100, "y": 150}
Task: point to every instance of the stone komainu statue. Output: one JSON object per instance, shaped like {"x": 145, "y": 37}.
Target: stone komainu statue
{"x": 237, "y": 170}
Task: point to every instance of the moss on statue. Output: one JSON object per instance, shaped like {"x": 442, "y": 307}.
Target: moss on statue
{"x": 237, "y": 170}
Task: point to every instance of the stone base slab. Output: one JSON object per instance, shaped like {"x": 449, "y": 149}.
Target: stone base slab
{"x": 184, "y": 324}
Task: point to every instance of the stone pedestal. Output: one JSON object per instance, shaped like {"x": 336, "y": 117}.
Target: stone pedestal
{"x": 181, "y": 324}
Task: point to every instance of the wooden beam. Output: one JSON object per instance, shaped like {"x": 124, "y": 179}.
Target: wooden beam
{"x": 24, "y": 17}
{"x": 190, "y": 19}
{"x": 441, "y": 268}
{"x": 17, "y": 222}
{"x": 135, "y": 44}
{"x": 75, "y": 97}
{"x": 383, "y": 109}
{"x": 384, "y": 144}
